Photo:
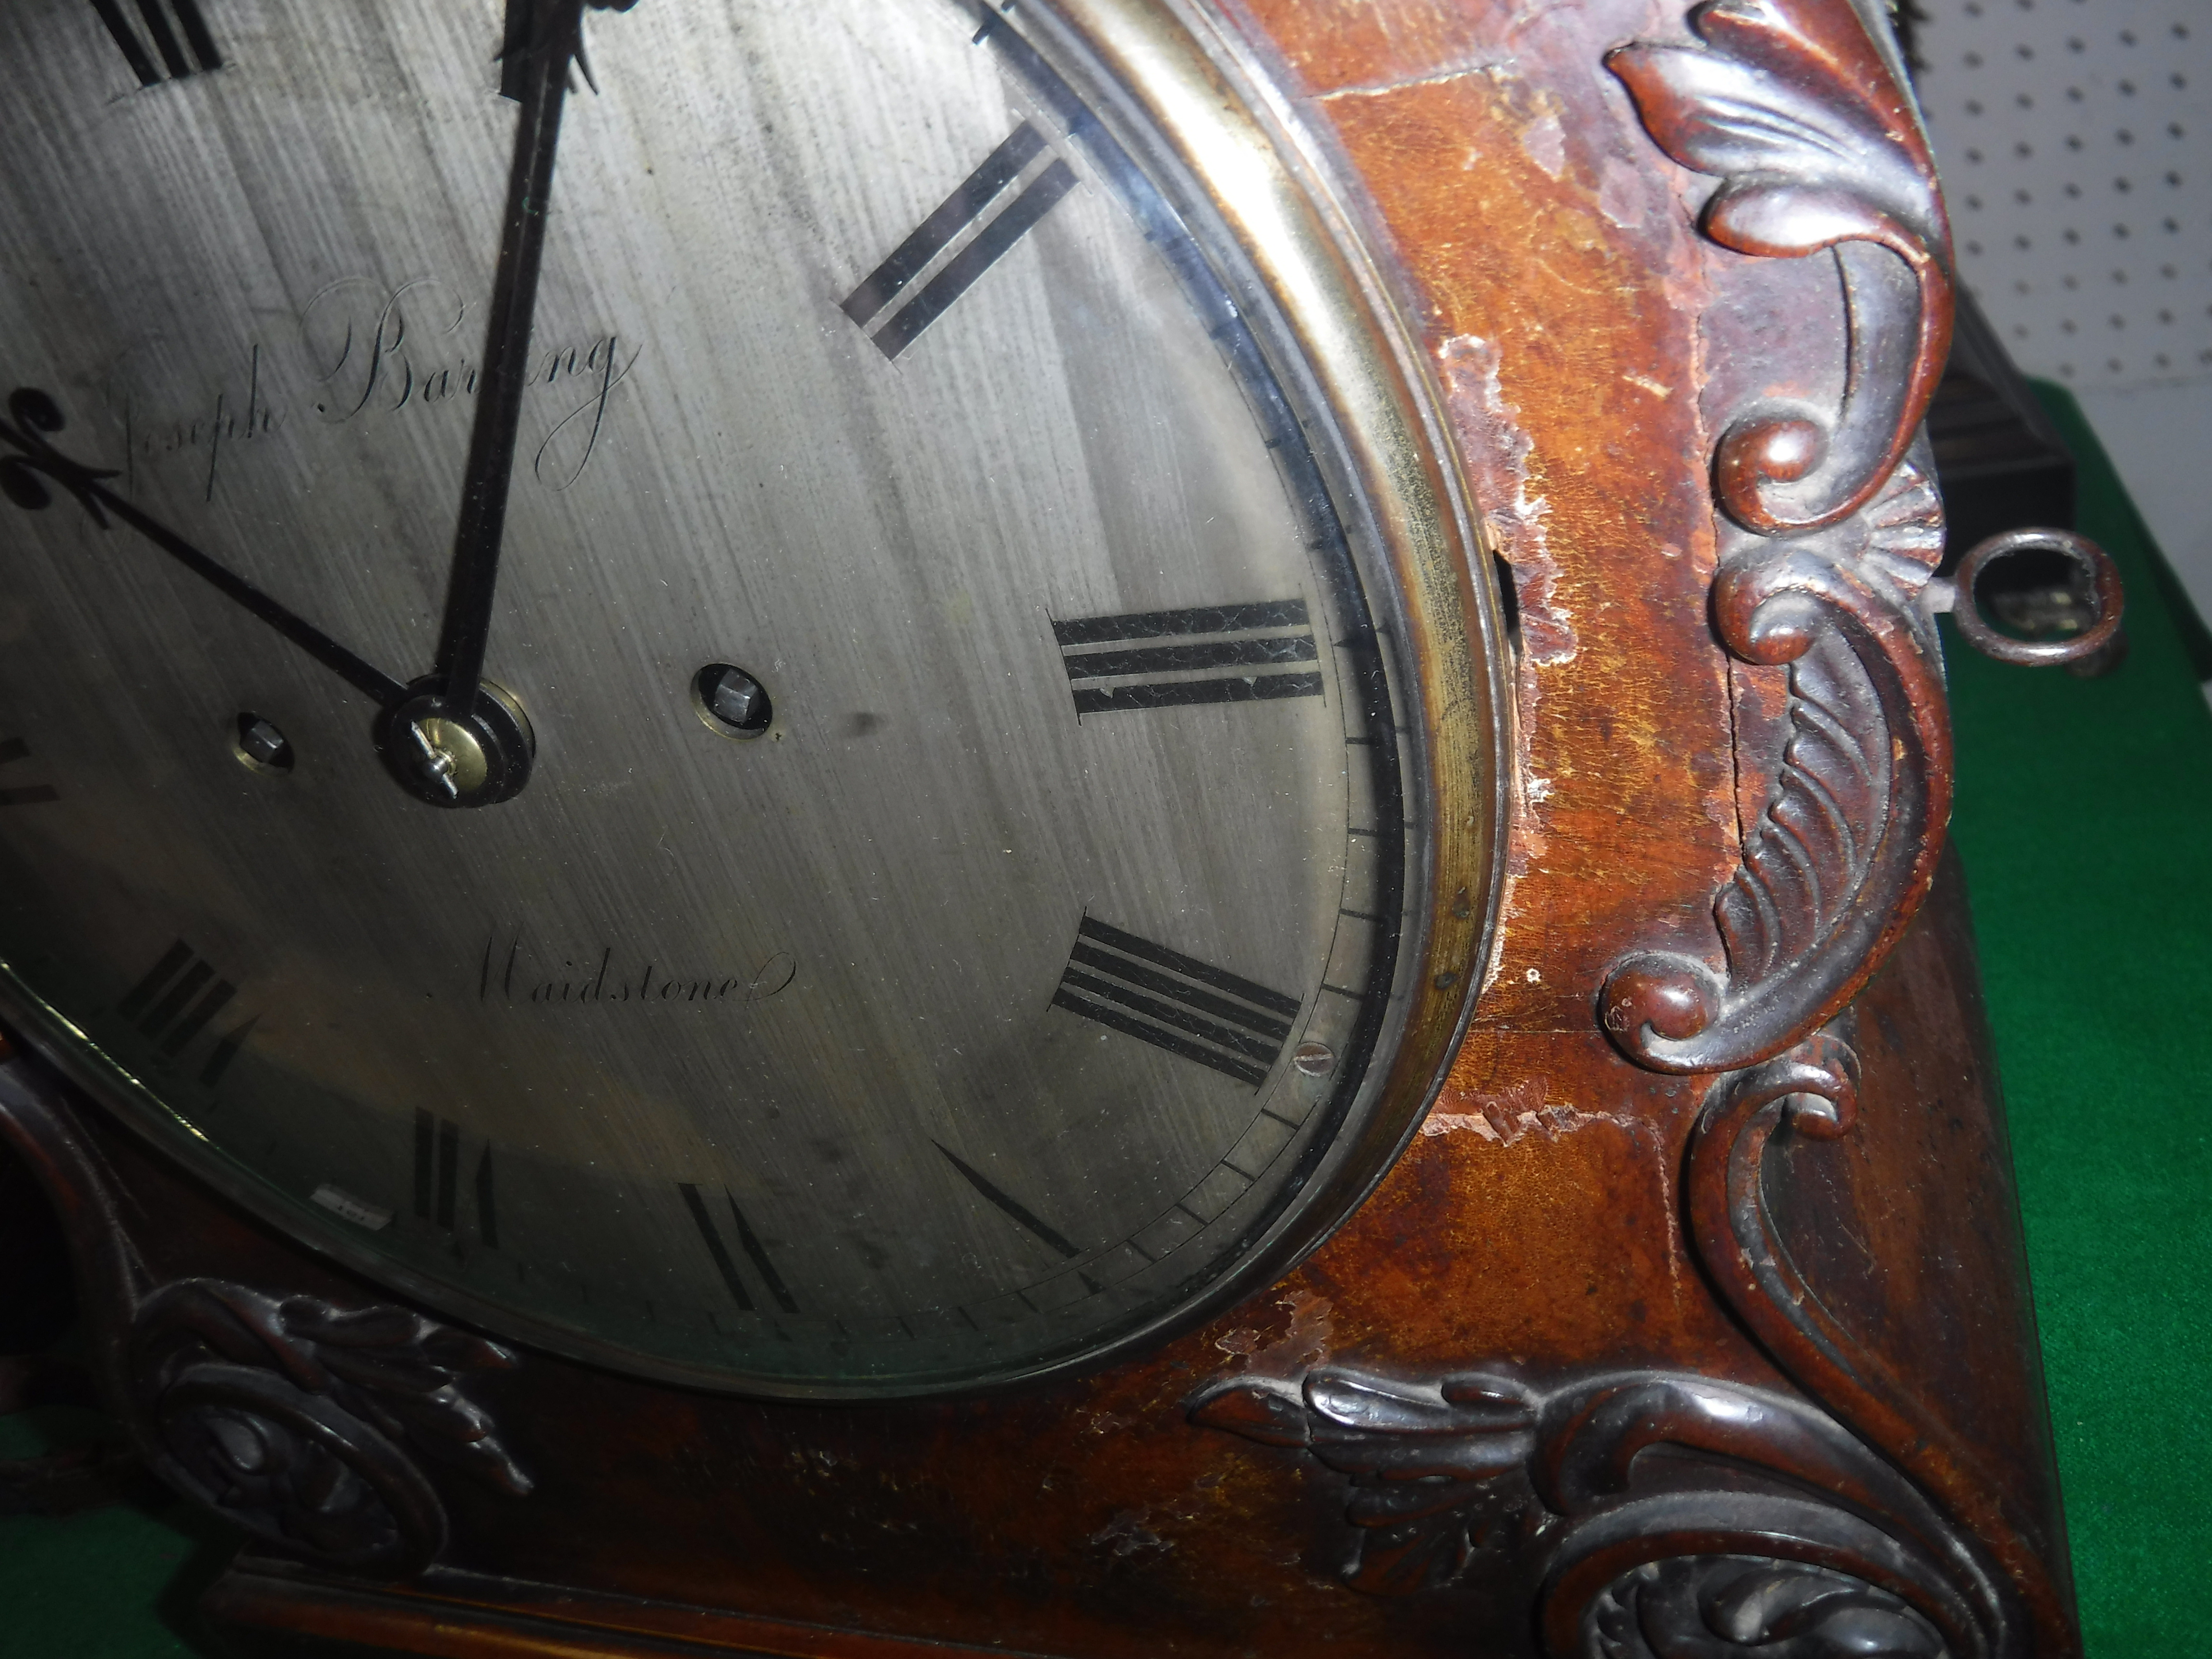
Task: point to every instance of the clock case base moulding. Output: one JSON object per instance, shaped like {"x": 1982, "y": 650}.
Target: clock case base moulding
{"x": 1694, "y": 1318}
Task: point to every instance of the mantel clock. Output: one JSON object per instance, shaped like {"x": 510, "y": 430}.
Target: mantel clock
{"x": 1079, "y": 827}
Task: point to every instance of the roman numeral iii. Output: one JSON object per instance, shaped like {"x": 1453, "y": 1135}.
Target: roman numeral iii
{"x": 174, "y": 1003}
{"x": 1159, "y": 659}
{"x": 169, "y": 40}
{"x": 1175, "y": 1002}
{"x": 976, "y": 201}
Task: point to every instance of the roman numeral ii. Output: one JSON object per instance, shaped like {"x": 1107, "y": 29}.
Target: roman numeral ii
{"x": 437, "y": 1178}
{"x": 703, "y": 1219}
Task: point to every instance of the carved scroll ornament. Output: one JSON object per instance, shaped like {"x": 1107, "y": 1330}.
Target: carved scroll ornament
{"x": 305, "y": 1424}
{"x": 1812, "y": 1092}
{"x": 1718, "y": 1550}
{"x": 301, "y": 1422}
{"x": 1830, "y": 527}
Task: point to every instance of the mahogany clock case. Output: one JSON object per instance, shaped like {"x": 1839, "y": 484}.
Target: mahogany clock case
{"x": 1690, "y": 1319}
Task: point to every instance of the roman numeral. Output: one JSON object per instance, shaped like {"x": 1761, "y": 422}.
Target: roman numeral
{"x": 29, "y": 794}
{"x": 438, "y": 1163}
{"x": 1175, "y": 1002}
{"x": 971, "y": 204}
{"x": 748, "y": 1241}
{"x": 1159, "y": 659}
{"x": 174, "y": 1002}
{"x": 181, "y": 42}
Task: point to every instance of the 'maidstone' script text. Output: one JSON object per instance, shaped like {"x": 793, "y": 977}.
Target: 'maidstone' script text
{"x": 517, "y": 973}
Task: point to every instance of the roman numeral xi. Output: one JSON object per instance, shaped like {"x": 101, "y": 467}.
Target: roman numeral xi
{"x": 1158, "y": 659}
{"x": 1175, "y": 1002}
{"x": 179, "y": 42}
{"x": 173, "y": 1004}
{"x": 976, "y": 201}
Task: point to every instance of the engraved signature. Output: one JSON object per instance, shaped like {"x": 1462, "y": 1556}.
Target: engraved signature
{"x": 224, "y": 424}
{"x": 356, "y": 334}
{"x": 518, "y": 974}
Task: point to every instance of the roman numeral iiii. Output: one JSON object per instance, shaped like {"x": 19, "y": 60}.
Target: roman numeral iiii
{"x": 1175, "y": 1002}
{"x": 1159, "y": 659}
{"x": 976, "y": 201}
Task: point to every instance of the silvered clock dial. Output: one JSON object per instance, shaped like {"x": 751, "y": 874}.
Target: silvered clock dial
{"x": 772, "y": 694}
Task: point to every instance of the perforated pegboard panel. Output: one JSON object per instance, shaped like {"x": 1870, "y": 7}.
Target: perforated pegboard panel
{"x": 2076, "y": 143}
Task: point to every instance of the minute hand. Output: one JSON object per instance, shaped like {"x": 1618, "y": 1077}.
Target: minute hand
{"x": 553, "y": 47}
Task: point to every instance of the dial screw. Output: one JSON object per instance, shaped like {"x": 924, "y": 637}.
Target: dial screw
{"x": 1313, "y": 1058}
{"x": 261, "y": 746}
{"x": 731, "y": 702}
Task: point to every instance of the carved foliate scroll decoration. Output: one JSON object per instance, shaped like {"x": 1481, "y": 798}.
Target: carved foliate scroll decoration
{"x": 1439, "y": 1473}
{"x": 1811, "y": 1090}
{"x": 307, "y": 1425}
{"x": 1709, "y": 1607}
{"x": 1830, "y": 529}
{"x": 1794, "y": 109}
{"x": 1762, "y": 1528}
{"x": 1848, "y": 844}
{"x": 303, "y": 1423}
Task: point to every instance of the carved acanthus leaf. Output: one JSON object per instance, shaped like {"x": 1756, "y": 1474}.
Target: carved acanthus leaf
{"x": 302, "y": 1421}
{"x": 1794, "y": 108}
{"x": 1439, "y": 1470}
{"x": 1803, "y": 125}
{"x": 1717, "y": 1606}
{"x": 1837, "y": 863}
{"x": 1444, "y": 1471}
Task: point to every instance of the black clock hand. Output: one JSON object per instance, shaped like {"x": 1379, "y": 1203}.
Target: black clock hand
{"x": 544, "y": 87}
{"x": 459, "y": 744}
{"x": 36, "y": 415}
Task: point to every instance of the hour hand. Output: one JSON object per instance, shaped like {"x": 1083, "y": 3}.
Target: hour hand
{"x": 35, "y": 463}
